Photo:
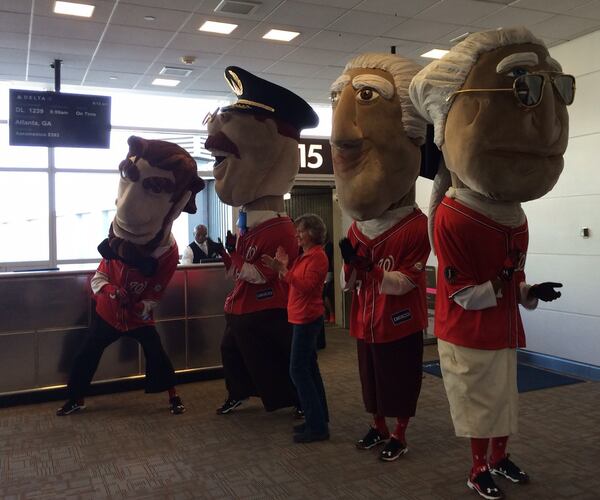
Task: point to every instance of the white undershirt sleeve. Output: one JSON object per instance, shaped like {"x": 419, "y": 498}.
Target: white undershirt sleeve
{"x": 348, "y": 283}
{"x": 395, "y": 283}
{"x": 188, "y": 256}
{"x": 525, "y": 301}
{"x": 98, "y": 281}
{"x": 476, "y": 297}
{"x": 251, "y": 274}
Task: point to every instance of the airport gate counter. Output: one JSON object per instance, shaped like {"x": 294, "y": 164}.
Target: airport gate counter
{"x": 44, "y": 316}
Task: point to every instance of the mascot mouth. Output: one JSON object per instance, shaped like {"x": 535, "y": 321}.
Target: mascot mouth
{"x": 221, "y": 146}
{"x": 122, "y": 230}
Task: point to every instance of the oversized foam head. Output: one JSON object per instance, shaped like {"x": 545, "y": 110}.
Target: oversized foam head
{"x": 498, "y": 103}
{"x": 255, "y": 140}
{"x": 376, "y": 135}
{"x": 159, "y": 180}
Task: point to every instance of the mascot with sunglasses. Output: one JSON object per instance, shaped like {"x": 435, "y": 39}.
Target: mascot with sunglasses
{"x": 159, "y": 180}
{"x": 498, "y": 103}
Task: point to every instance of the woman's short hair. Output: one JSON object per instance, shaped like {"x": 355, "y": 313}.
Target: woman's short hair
{"x": 314, "y": 225}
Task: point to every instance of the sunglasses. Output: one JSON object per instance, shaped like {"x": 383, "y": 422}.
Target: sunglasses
{"x": 529, "y": 89}
{"x": 210, "y": 116}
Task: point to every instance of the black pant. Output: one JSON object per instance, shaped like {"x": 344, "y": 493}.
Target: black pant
{"x": 256, "y": 357}
{"x": 160, "y": 375}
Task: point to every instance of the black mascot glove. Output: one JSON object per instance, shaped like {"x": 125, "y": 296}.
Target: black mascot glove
{"x": 545, "y": 291}
{"x": 506, "y": 273}
{"x": 230, "y": 240}
{"x": 351, "y": 257}
{"x": 348, "y": 251}
{"x": 219, "y": 248}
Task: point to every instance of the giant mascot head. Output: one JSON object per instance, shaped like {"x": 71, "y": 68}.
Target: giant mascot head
{"x": 255, "y": 140}
{"x": 498, "y": 102}
{"x": 376, "y": 135}
{"x": 159, "y": 180}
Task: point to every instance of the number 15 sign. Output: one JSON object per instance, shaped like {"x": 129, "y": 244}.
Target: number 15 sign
{"x": 315, "y": 157}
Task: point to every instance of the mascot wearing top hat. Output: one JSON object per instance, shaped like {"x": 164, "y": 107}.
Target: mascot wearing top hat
{"x": 255, "y": 145}
{"x": 498, "y": 102}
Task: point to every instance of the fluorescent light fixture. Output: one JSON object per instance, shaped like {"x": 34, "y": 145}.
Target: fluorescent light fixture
{"x": 215, "y": 27}
{"x": 287, "y": 196}
{"x": 435, "y": 54}
{"x": 280, "y": 35}
{"x": 74, "y": 9}
{"x": 166, "y": 82}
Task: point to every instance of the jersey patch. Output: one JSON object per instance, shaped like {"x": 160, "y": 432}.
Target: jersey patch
{"x": 401, "y": 316}
{"x": 264, "y": 294}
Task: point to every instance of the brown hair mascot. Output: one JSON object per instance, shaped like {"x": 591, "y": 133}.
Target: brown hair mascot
{"x": 255, "y": 143}
{"x": 159, "y": 180}
{"x": 376, "y": 140}
{"x": 498, "y": 103}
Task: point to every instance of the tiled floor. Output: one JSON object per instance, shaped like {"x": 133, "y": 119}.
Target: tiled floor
{"x": 128, "y": 446}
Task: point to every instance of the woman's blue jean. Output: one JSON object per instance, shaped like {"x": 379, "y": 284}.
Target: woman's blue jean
{"x": 306, "y": 376}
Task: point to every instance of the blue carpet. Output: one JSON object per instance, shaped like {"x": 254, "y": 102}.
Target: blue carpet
{"x": 528, "y": 377}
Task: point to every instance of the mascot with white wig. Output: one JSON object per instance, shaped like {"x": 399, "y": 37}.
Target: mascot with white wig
{"x": 255, "y": 144}
{"x": 376, "y": 139}
{"x": 498, "y": 104}
{"x": 159, "y": 180}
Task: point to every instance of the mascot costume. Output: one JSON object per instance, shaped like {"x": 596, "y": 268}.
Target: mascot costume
{"x": 255, "y": 144}
{"x": 158, "y": 181}
{"x": 376, "y": 139}
{"x": 498, "y": 104}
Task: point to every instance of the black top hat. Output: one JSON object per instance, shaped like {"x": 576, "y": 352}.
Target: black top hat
{"x": 256, "y": 95}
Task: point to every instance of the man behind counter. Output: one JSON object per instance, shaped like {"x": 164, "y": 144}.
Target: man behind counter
{"x": 202, "y": 248}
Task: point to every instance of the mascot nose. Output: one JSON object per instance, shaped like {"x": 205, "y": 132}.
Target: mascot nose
{"x": 345, "y": 131}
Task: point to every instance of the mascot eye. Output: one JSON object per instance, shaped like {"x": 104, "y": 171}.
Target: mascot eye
{"x": 516, "y": 72}
{"x": 366, "y": 94}
{"x": 335, "y": 97}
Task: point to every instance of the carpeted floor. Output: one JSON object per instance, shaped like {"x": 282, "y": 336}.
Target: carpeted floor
{"x": 128, "y": 446}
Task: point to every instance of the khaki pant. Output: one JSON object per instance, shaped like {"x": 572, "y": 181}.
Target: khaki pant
{"x": 481, "y": 386}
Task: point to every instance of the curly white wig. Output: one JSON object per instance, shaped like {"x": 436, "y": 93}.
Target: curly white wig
{"x": 431, "y": 88}
{"x": 402, "y": 70}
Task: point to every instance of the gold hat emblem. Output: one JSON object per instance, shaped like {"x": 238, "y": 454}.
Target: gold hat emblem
{"x": 234, "y": 82}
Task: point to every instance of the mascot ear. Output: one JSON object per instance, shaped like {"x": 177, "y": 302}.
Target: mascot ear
{"x": 179, "y": 206}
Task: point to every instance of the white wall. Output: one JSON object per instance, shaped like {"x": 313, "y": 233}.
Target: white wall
{"x": 570, "y": 326}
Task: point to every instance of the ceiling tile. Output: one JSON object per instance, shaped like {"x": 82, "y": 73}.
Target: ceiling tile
{"x": 511, "y": 16}
{"x": 367, "y": 23}
{"x": 136, "y": 36}
{"x": 384, "y": 44}
{"x": 565, "y": 27}
{"x": 406, "y": 8}
{"x": 293, "y": 69}
{"x": 304, "y": 14}
{"x": 309, "y": 56}
{"x": 252, "y": 64}
{"x": 133, "y": 15}
{"x": 14, "y": 23}
{"x": 421, "y": 30}
{"x": 458, "y": 11}
{"x": 558, "y": 6}
{"x": 198, "y": 41}
{"x": 336, "y": 40}
{"x": 590, "y": 10}
{"x": 203, "y": 59}
{"x": 265, "y": 49}
{"x": 16, "y": 6}
{"x": 134, "y": 52}
{"x": 102, "y": 63}
{"x": 63, "y": 46}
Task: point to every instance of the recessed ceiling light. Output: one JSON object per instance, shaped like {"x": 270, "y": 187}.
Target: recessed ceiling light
{"x": 216, "y": 27}
{"x": 74, "y": 9}
{"x": 282, "y": 36}
{"x": 149, "y": 18}
{"x": 435, "y": 54}
{"x": 164, "y": 82}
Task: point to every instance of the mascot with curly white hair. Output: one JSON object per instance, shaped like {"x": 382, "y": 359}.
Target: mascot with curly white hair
{"x": 498, "y": 104}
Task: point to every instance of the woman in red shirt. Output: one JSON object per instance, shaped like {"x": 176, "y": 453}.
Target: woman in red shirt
{"x": 305, "y": 312}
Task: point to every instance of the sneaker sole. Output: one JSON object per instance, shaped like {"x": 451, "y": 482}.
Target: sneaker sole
{"x": 363, "y": 447}
{"x": 496, "y": 472}
{"x": 225, "y": 412}
{"x": 395, "y": 457}
{"x": 480, "y": 493}
{"x": 173, "y": 412}
{"x": 73, "y": 410}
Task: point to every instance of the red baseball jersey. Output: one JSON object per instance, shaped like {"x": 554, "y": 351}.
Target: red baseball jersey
{"x": 263, "y": 239}
{"x": 138, "y": 287}
{"x": 377, "y": 317}
{"x": 473, "y": 249}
